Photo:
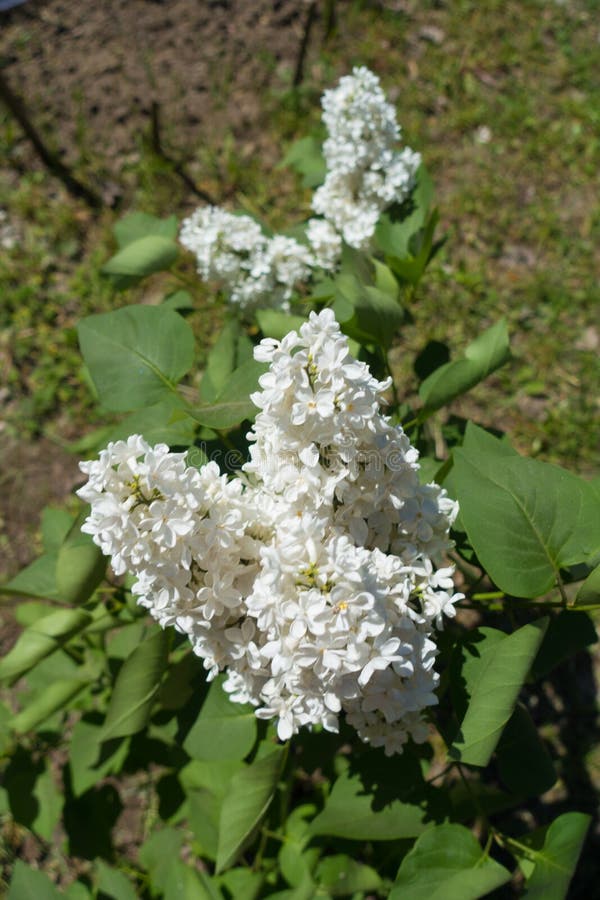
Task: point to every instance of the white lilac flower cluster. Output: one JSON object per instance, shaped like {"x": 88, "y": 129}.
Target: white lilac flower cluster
{"x": 365, "y": 171}
{"x": 313, "y": 576}
{"x": 365, "y": 174}
{"x": 256, "y": 271}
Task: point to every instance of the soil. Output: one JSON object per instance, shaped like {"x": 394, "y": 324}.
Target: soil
{"x": 93, "y": 70}
{"x": 88, "y": 75}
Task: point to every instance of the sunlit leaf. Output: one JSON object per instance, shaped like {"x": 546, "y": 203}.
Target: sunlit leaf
{"x": 136, "y": 225}
{"x": 494, "y": 671}
{"x": 86, "y": 768}
{"x": 589, "y": 592}
{"x": 56, "y": 696}
{"x": 50, "y": 800}
{"x": 384, "y": 802}
{"x": 232, "y": 405}
{"x": 366, "y": 313}
{"x": 113, "y": 883}
{"x": 554, "y": 853}
{"x": 41, "y": 639}
{"x": 447, "y": 863}
{"x": 306, "y": 157}
{"x": 247, "y": 801}
{"x": 206, "y": 785}
{"x": 80, "y": 565}
{"x": 482, "y": 357}
{"x": 223, "y": 730}
{"x": 36, "y": 580}
{"x": 136, "y": 355}
{"x": 31, "y": 884}
{"x": 341, "y": 876}
{"x": 163, "y": 423}
{"x": 276, "y": 324}
{"x": 232, "y": 348}
{"x": 136, "y": 687}
{"x": 55, "y": 526}
{"x": 525, "y": 519}
{"x": 142, "y": 257}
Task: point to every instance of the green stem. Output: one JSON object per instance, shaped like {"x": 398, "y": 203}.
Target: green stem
{"x": 504, "y": 841}
{"x": 561, "y": 588}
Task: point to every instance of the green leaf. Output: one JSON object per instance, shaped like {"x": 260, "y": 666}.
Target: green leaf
{"x": 383, "y": 802}
{"x": 232, "y": 405}
{"x": 28, "y": 612}
{"x": 276, "y": 324}
{"x": 185, "y": 883}
{"x": 113, "y": 883}
{"x": 395, "y": 228}
{"x": 206, "y": 785}
{"x": 157, "y": 854}
{"x": 525, "y": 519}
{"x": 306, "y": 157}
{"x": 37, "y": 580}
{"x": 385, "y": 280}
{"x": 494, "y": 674}
{"x": 366, "y": 313}
{"x": 556, "y": 858}
{"x": 5, "y": 735}
{"x": 55, "y": 697}
{"x": 55, "y": 526}
{"x": 520, "y": 745}
{"x": 137, "y": 225}
{"x": 170, "y": 878}
{"x": 223, "y": 730}
{"x": 77, "y": 890}
{"x": 447, "y": 863}
{"x": 179, "y": 686}
{"x": 121, "y": 642}
{"x": 178, "y": 300}
{"x": 80, "y": 565}
{"x": 141, "y": 257}
{"x": 477, "y": 440}
{"x": 482, "y": 357}
{"x": 243, "y": 882}
{"x": 294, "y": 863}
{"x": 589, "y": 592}
{"x": 341, "y": 875}
{"x": 50, "y": 801}
{"x": 86, "y": 769}
{"x": 411, "y": 266}
{"x": 31, "y": 884}
{"x": 246, "y": 803}
{"x": 136, "y": 687}
{"x": 136, "y": 355}
{"x": 42, "y": 639}
{"x": 232, "y": 348}
{"x": 164, "y": 423}
{"x": 568, "y": 633}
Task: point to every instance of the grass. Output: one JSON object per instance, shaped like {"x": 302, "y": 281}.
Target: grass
{"x": 518, "y": 209}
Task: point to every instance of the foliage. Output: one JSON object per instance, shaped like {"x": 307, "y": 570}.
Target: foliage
{"x": 322, "y": 816}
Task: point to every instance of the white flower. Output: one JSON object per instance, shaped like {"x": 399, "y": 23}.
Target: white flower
{"x": 365, "y": 171}
{"x": 312, "y": 578}
{"x": 325, "y": 243}
{"x": 255, "y": 271}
